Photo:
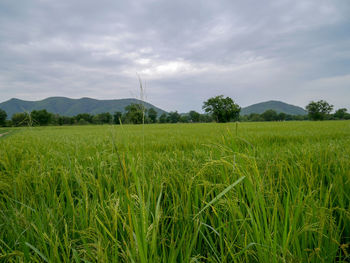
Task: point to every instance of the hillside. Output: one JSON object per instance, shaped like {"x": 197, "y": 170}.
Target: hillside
{"x": 70, "y": 107}
{"x": 278, "y": 106}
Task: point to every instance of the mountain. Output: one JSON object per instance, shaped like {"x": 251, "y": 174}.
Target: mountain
{"x": 70, "y": 107}
{"x": 278, "y": 106}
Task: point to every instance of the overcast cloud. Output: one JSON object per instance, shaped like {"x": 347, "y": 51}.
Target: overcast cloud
{"x": 185, "y": 51}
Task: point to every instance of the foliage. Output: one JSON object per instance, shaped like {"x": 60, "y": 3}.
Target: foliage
{"x": 21, "y": 119}
{"x": 281, "y": 116}
{"x": 205, "y": 118}
{"x": 41, "y": 117}
{"x": 103, "y": 118}
{"x": 269, "y": 115}
{"x": 3, "y": 116}
{"x": 88, "y": 118}
{"x": 340, "y": 114}
{"x": 222, "y": 109}
{"x": 163, "y": 118}
{"x": 194, "y": 116}
{"x": 135, "y": 113}
{"x": 64, "y": 120}
{"x": 152, "y": 115}
{"x": 319, "y": 110}
{"x": 277, "y": 192}
{"x": 184, "y": 119}
{"x": 173, "y": 117}
{"x": 117, "y": 117}
{"x": 278, "y": 117}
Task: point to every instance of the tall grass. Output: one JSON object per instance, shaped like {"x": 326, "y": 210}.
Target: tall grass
{"x": 271, "y": 192}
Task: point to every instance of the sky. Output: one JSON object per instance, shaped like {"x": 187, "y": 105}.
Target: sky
{"x": 184, "y": 51}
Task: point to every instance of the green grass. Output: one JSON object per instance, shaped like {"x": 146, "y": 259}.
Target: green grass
{"x": 265, "y": 192}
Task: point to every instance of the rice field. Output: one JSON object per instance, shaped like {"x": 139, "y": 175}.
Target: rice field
{"x": 247, "y": 192}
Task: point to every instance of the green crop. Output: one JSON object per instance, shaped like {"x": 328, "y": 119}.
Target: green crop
{"x": 258, "y": 192}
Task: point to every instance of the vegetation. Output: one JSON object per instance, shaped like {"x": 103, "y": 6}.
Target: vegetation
{"x": 152, "y": 115}
{"x": 222, "y": 109}
{"x": 218, "y": 109}
{"x": 259, "y": 192}
{"x": 41, "y": 117}
{"x": 319, "y": 110}
{"x": 341, "y": 114}
{"x": 3, "y": 116}
{"x": 271, "y": 115}
{"x": 72, "y": 107}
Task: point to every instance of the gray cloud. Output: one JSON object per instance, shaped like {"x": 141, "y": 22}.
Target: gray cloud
{"x": 185, "y": 51}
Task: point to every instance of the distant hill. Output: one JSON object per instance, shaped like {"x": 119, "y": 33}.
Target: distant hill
{"x": 70, "y": 107}
{"x": 278, "y": 106}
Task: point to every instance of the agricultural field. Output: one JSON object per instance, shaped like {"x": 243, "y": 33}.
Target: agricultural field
{"x": 247, "y": 192}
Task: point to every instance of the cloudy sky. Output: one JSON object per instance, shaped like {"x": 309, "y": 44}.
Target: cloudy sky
{"x": 185, "y": 51}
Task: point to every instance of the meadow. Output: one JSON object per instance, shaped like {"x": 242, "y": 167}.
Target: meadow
{"x": 247, "y": 192}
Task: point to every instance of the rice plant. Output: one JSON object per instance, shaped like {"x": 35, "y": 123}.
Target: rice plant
{"x": 256, "y": 192}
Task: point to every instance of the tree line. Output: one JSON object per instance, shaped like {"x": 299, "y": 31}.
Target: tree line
{"x": 133, "y": 114}
{"x": 218, "y": 109}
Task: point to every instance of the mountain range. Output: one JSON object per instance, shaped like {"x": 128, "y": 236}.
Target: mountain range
{"x": 70, "y": 107}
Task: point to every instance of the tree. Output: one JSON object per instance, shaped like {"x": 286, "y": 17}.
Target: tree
{"x": 184, "y": 119}
{"x": 269, "y": 115}
{"x": 318, "y": 110}
{"x": 41, "y": 117}
{"x": 152, "y": 115}
{"x": 281, "y": 116}
{"x": 340, "y": 113}
{"x": 205, "y": 118}
{"x": 222, "y": 109}
{"x": 88, "y": 118}
{"x": 255, "y": 117}
{"x": 173, "y": 117}
{"x": 64, "y": 120}
{"x": 3, "y": 116}
{"x": 194, "y": 116}
{"x": 134, "y": 113}
{"x": 101, "y": 118}
{"x": 163, "y": 118}
{"x": 20, "y": 119}
{"x": 117, "y": 117}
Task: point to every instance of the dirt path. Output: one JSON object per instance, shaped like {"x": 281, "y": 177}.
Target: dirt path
{"x": 1, "y": 134}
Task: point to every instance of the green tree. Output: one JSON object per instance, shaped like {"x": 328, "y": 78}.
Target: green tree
{"x": 205, "y": 118}
{"x": 184, "y": 119}
{"x": 269, "y": 115}
{"x": 88, "y": 118}
{"x": 163, "y": 118}
{"x": 64, "y": 120}
{"x": 152, "y": 115}
{"x": 117, "y": 117}
{"x": 103, "y": 118}
{"x": 222, "y": 109}
{"x": 173, "y": 117}
{"x": 318, "y": 110}
{"x": 340, "y": 113}
{"x": 41, "y": 117}
{"x": 281, "y": 116}
{"x": 194, "y": 116}
{"x": 134, "y": 113}
{"x": 20, "y": 119}
{"x": 3, "y": 116}
{"x": 255, "y": 117}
